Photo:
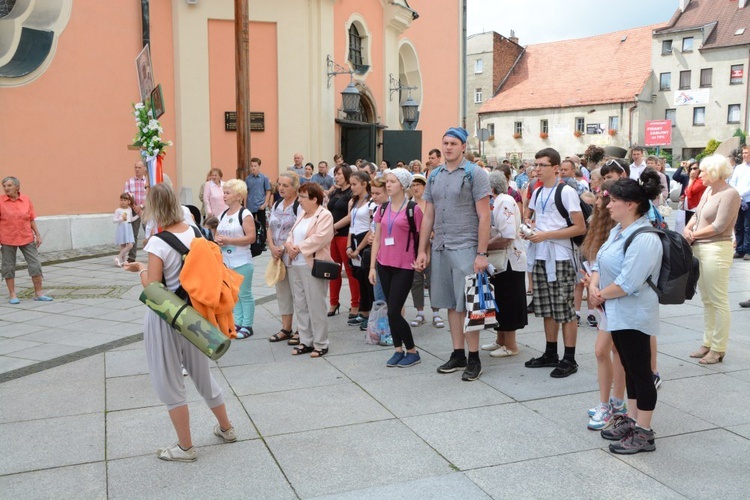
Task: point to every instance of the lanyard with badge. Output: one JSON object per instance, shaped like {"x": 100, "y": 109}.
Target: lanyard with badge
{"x": 389, "y": 241}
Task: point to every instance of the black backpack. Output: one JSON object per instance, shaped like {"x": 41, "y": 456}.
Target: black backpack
{"x": 259, "y": 246}
{"x": 586, "y": 210}
{"x": 412, "y": 224}
{"x": 295, "y": 205}
{"x": 679, "y": 272}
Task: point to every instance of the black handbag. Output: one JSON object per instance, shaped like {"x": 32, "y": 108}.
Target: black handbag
{"x": 326, "y": 269}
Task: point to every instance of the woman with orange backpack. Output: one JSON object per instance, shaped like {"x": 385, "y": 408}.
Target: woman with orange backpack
{"x": 167, "y": 351}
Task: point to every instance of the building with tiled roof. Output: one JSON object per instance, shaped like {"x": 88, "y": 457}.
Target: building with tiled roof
{"x": 700, "y": 61}
{"x": 572, "y": 93}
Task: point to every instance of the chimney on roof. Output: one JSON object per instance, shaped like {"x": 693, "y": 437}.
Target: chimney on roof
{"x": 684, "y": 4}
{"x": 513, "y": 37}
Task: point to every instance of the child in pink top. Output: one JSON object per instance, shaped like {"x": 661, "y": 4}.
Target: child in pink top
{"x": 395, "y": 249}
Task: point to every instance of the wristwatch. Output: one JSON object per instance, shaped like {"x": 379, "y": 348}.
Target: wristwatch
{"x": 484, "y": 254}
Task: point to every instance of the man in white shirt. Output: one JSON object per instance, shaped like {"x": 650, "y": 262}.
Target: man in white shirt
{"x": 551, "y": 259}
{"x": 639, "y": 164}
{"x": 740, "y": 180}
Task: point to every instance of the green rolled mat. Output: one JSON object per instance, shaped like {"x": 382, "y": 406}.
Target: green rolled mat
{"x": 186, "y": 320}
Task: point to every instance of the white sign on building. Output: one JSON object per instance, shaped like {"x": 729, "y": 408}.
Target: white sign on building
{"x": 691, "y": 97}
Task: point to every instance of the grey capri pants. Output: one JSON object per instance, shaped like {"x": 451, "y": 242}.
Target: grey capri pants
{"x": 167, "y": 352}
{"x": 29, "y": 253}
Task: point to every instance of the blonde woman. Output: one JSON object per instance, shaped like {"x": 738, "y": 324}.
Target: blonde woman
{"x": 709, "y": 232}
{"x": 235, "y": 234}
{"x": 166, "y": 350}
{"x": 283, "y": 216}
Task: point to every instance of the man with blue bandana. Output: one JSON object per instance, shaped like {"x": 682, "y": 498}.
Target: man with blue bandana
{"x": 458, "y": 211}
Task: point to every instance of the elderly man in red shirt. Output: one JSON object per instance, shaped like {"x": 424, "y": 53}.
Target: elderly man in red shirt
{"x": 18, "y": 231}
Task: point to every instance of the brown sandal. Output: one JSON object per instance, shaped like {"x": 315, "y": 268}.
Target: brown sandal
{"x": 318, "y": 353}
{"x": 302, "y": 349}
{"x": 282, "y": 335}
{"x": 700, "y": 352}
{"x": 712, "y": 358}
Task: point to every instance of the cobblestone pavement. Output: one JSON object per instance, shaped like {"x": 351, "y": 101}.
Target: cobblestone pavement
{"x": 79, "y": 418}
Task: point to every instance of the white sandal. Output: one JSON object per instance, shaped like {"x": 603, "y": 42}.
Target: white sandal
{"x": 418, "y": 321}
{"x": 437, "y": 322}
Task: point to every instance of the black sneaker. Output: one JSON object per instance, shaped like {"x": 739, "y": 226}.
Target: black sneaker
{"x": 453, "y": 364}
{"x": 363, "y": 326}
{"x": 357, "y": 320}
{"x": 578, "y": 319}
{"x": 591, "y": 319}
{"x": 473, "y": 370}
{"x": 543, "y": 361}
{"x": 565, "y": 368}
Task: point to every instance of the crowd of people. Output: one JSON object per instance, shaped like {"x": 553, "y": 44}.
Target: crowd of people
{"x": 557, "y": 230}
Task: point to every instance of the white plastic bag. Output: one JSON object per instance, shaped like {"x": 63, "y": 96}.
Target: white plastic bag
{"x": 378, "y": 328}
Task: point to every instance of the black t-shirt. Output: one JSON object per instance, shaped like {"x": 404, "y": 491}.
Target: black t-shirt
{"x": 338, "y": 205}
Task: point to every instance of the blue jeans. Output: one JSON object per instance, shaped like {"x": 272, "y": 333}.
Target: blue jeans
{"x": 244, "y": 310}
{"x": 378, "y": 289}
{"x": 742, "y": 232}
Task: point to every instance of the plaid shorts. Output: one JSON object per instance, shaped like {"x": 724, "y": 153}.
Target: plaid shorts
{"x": 554, "y": 300}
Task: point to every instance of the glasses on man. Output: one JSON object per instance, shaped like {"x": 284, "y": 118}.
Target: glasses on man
{"x": 542, "y": 165}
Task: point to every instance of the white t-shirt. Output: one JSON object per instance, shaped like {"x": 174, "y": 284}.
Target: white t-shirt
{"x": 234, "y": 256}
{"x": 549, "y": 219}
{"x": 637, "y": 170}
{"x": 298, "y": 235}
{"x": 361, "y": 219}
{"x": 171, "y": 259}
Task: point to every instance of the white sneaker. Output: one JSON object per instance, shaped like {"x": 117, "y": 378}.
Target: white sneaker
{"x": 177, "y": 454}
{"x": 229, "y": 436}
{"x": 118, "y": 262}
{"x": 492, "y": 347}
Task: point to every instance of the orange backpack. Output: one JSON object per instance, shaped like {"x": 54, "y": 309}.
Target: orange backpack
{"x": 205, "y": 282}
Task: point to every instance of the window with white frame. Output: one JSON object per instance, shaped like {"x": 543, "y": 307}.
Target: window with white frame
{"x": 478, "y": 66}
{"x": 518, "y": 128}
{"x": 614, "y": 123}
{"x": 665, "y": 81}
{"x": 699, "y": 116}
{"x": 491, "y": 129}
{"x": 687, "y": 44}
{"x": 733, "y": 114}
{"x": 544, "y": 126}
{"x": 580, "y": 124}
{"x": 671, "y": 114}
{"x": 478, "y": 95}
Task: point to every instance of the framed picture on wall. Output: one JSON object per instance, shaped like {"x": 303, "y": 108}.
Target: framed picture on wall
{"x": 157, "y": 102}
{"x": 145, "y": 73}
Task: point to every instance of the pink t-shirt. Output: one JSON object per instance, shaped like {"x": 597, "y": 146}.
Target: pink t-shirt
{"x": 397, "y": 255}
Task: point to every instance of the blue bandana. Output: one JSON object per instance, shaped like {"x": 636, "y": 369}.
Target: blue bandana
{"x": 459, "y": 133}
